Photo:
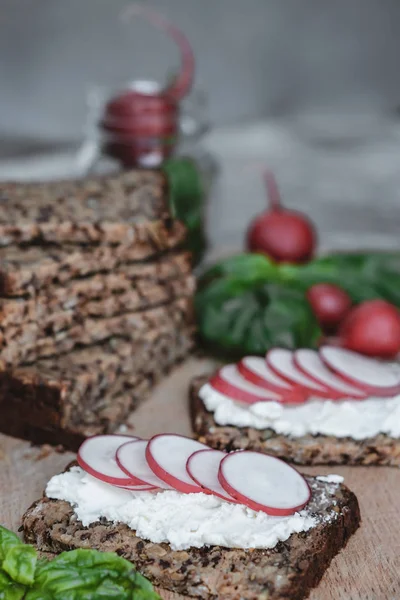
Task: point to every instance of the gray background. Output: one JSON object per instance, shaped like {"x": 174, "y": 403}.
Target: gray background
{"x": 255, "y": 57}
{"x": 308, "y": 87}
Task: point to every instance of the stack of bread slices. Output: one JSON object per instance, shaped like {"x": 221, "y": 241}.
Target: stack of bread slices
{"x": 95, "y": 302}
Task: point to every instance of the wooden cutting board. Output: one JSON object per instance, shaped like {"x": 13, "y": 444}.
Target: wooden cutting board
{"x": 369, "y": 567}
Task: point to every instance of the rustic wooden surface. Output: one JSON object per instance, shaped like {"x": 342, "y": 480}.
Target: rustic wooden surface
{"x": 368, "y": 569}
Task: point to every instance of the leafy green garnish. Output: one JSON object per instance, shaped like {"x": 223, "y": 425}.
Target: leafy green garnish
{"x": 247, "y": 303}
{"x": 8, "y": 540}
{"x": 186, "y": 197}
{"x": 9, "y": 589}
{"x": 20, "y": 564}
{"x": 75, "y": 575}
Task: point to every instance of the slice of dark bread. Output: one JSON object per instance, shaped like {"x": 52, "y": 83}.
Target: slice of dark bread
{"x": 63, "y": 400}
{"x": 29, "y": 342}
{"x": 288, "y": 571}
{"x": 306, "y": 450}
{"x": 24, "y": 270}
{"x": 103, "y": 295}
{"x": 102, "y": 209}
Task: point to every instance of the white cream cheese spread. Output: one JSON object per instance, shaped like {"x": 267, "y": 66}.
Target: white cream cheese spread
{"x": 358, "y": 419}
{"x": 182, "y": 520}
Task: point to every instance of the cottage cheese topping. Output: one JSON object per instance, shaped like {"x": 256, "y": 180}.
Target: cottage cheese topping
{"x": 182, "y": 520}
{"x": 358, "y": 419}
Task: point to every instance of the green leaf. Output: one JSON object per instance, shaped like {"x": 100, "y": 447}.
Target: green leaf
{"x": 89, "y": 575}
{"x": 247, "y": 303}
{"x": 9, "y": 589}
{"x": 239, "y": 316}
{"x": 186, "y": 196}
{"x": 246, "y": 267}
{"x": 20, "y": 563}
{"x": 8, "y": 540}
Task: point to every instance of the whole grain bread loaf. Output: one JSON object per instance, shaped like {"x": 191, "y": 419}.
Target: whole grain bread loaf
{"x": 26, "y": 269}
{"x": 285, "y": 572}
{"x": 103, "y": 209}
{"x": 30, "y": 342}
{"x": 306, "y": 450}
{"x": 65, "y": 399}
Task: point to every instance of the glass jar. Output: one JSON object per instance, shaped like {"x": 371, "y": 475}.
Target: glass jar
{"x": 142, "y": 124}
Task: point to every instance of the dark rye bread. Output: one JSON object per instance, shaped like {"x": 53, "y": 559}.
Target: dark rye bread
{"x": 288, "y": 571}
{"x": 102, "y": 295}
{"x": 30, "y": 342}
{"x": 306, "y": 450}
{"x": 26, "y": 269}
{"x": 64, "y": 400}
{"x": 103, "y": 209}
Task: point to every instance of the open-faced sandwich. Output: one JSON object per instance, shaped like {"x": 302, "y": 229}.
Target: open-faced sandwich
{"x": 331, "y": 406}
{"x": 197, "y": 521}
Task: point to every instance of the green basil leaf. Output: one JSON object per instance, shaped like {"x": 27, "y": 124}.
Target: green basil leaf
{"x": 20, "y": 563}
{"x": 246, "y": 267}
{"x": 247, "y": 303}
{"x": 8, "y": 540}
{"x": 9, "y": 589}
{"x": 247, "y": 317}
{"x": 187, "y": 197}
{"x": 89, "y": 575}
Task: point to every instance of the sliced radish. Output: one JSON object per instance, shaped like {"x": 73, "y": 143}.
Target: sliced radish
{"x": 138, "y": 488}
{"x": 203, "y": 467}
{"x": 310, "y": 363}
{"x": 263, "y": 483}
{"x": 97, "y": 457}
{"x": 131, "y": 458}
{"x": 230, "y": 382}
{"x": 167, "y": 455}
{"x": 281, "y": 362}
{"x": 368, "y": 374}
{"x": 255, "y": 370}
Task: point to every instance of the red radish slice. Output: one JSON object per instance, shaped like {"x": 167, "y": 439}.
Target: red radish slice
{"x": 255, "y": 370}
{"x": 263, "y": 483}
{"x": 368, "y": 374}
{"x": 167, "y": 455}
{"x": 281, "y": 362}
{"x": 230, "y": 382}
{"x": 310, "y": 363}
{"x": 131, "y": 458}
{"x": 203, "y": 467}
{"x": 97, "y": 457}
{"x": 138, "y": 488}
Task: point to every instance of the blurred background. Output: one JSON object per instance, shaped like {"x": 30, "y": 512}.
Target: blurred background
{"x": 309, "y": 87}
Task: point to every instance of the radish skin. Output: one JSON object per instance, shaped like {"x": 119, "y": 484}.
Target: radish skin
{"x": 370, "y": 375}
{"x": 229, "y": 381}
{"x": 96, "y": 456}
{"x": 256, "y": 370}
{"x": 309, "y": 362}
{"x": 167, "y": 455}
{"x": 264, "y": 483}
{"x": 284, "y": 235}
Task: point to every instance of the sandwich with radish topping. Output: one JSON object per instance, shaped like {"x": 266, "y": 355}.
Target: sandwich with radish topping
{"x": 326, "y": 406}
{"x": 195, "y": 520}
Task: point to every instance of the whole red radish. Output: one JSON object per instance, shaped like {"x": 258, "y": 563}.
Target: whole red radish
{"x": 284, "y": 235}
{"x": 141, "y": 123}
{"x": 372, "y": 328}
{"x": 329, "y": 303}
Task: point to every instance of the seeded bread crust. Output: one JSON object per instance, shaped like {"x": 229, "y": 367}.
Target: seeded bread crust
{"x": 102, "y": 209}
{"x": 306, "y": 450}
{"x": 288, "y": 571}
{"x": 31, "y": 342}
{"x": 26, "y": 269}
{"x": 63, "y": 400}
